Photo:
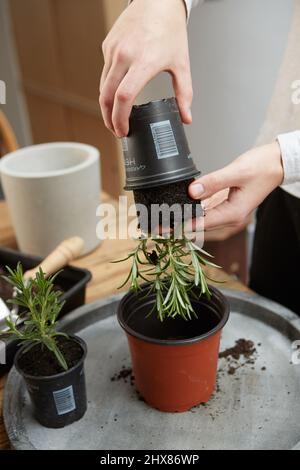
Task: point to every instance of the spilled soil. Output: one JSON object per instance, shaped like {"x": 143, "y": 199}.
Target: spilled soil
{"x": 126, "y": 374}
{"x": 243, "y": 347}
{"x": 241, "y": 354}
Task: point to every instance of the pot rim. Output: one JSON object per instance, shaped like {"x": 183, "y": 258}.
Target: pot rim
{"x": 160, "y": 180}
{"x": 145, "y": 110}
{"x": 55, "y": 376}
{"x": 173, "y": 342}
{"x": 91, "y": 156}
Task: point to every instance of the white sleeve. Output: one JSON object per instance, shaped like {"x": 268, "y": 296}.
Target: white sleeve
{"x": 290, "y": 151}
{"x": 188, "y": 3}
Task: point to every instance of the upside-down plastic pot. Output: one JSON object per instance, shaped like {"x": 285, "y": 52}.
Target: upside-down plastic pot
{"x": 156, "y": 150}
{"x": 174, "y": 361}
{"x": 60, "y": 399}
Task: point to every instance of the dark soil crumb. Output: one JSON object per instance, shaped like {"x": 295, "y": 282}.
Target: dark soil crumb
{"x": 231, "y": 370}
{"x": 140, "y": 397}
{"x": 196, "y": 407}
{"x": 218, "y": 388}
{"x": 124, "y": 373}
{"x": 39, "y": 361}
{"x": 243, "y": 349}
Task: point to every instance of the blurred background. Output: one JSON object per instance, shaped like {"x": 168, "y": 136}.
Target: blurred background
{"x": 50, "y": 59}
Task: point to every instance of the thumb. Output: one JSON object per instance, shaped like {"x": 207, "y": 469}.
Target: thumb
{"x": 210, "y": 184}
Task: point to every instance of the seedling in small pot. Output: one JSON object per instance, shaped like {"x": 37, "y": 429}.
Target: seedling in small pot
{"x": 50, "y": 361}
{"x": 41, "y": 306}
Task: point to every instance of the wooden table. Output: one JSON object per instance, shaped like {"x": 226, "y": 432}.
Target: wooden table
{"x": 106, "y": 276}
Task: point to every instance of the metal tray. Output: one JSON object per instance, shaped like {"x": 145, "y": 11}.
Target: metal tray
{"x": 255, "y": 408}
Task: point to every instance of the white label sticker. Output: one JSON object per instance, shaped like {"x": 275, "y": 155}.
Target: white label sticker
{"x": 64, "y": 400}
{"x": 164, "y": 139}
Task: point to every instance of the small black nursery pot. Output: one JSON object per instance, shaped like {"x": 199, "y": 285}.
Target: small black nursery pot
{"x": 159, "y": 166}
{"x": 156, "y": 151}
{"x": 59, "y": 399}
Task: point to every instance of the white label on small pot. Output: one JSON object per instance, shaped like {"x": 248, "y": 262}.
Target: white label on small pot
{"x": 64, "y": 400}
{"x": 164, "y": 139}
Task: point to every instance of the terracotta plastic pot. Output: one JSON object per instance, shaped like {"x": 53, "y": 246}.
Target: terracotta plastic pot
{"x": 175, "y": 361}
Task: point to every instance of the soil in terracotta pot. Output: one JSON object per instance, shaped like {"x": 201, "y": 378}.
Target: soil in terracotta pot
{"x": 39, "y": 361}
{"x": 173, "y": 193}
{"x": 173, "y": 329}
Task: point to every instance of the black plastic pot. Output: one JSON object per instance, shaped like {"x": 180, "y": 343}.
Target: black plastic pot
{"x": 174, "y": 361}
{"x": 72, "y": 281}
{"x": 60, "y": 399}
{"x": 159, "y": 166}
{"x": 156, "y": 151}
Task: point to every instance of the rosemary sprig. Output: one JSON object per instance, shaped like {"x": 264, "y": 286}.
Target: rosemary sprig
{"x": 174, "y": 270}
{"x": 41, "y": 306}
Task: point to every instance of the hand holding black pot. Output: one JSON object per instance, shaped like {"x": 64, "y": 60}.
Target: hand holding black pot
{"x": 139, "y": 46}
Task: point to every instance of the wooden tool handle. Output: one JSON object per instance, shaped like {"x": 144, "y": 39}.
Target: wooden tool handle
{"x": 65, "y": 252}
{"x": 7, "y": 135}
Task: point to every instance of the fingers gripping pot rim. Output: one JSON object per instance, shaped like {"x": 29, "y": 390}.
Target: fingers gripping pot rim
{"x": 156, "y": 150}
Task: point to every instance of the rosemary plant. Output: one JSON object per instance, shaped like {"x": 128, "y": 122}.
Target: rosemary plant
{"x": 174, "y": 270}
{"x": 40, "y": 305}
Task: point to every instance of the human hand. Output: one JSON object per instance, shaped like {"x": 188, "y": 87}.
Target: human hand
{"x": 149, "y": 37}
{"x": 229, "y": 195}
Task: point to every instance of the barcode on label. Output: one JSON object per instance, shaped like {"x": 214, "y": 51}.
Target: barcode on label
{"x": 64, "y": 400}
{"x": 164, "y": 139}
